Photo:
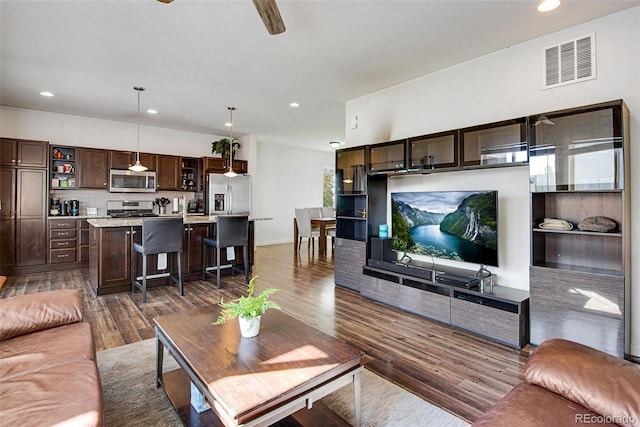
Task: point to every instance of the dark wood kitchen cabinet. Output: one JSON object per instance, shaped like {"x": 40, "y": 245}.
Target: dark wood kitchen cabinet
{"x": 124, "y": 159}
{"x": 110, "y": 259}
{"x": 31, "y": 214}
{"x": 23, "y": 153}
{"x": 221, "y": 165}
{"x": 23, "y": 206}
{"x": 7, "y": 220}
{"x": 169, "y": 172}
{"x": 192, "y": 248}
{"x": 93, "y": 168}
{"x": 63, "y": 240}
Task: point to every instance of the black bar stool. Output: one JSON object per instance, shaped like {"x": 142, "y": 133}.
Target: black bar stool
{"x": 159, "y": 235}
{"x": 231, "y": 231}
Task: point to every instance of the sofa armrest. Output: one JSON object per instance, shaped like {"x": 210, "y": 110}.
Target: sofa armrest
{"x": 605, "y": 384}
{"x": 24, "y": 314}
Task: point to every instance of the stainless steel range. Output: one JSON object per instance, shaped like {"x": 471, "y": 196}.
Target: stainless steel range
{"x": 130, "y": 209}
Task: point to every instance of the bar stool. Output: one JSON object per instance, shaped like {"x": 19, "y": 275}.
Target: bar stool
{"x": 231, "y": 231}
{"x": 159, "y": 235}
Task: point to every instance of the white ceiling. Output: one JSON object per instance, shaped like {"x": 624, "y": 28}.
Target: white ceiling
{"x": 195, "y": 58}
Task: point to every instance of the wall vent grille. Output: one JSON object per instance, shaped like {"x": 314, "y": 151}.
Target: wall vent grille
{"x": 570, "y": 62}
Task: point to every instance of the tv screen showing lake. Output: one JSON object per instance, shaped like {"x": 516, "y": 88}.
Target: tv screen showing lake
{"x": 458, "y": 225}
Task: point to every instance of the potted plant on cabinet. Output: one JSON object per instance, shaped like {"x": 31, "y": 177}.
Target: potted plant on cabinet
{"x": 223, "y": 145}
{"x": 248, "y": 309}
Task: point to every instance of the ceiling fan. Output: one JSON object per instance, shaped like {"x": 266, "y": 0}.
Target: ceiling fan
{"x": 269, "y": 13}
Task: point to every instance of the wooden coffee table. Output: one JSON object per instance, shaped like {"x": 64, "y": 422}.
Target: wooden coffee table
{"x": 252, "y": 381}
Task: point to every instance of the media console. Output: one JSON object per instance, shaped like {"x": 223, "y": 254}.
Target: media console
{"x": 451, "y": 296}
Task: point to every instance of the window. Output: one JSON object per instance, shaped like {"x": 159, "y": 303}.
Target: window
{"x": 329, "y": 188}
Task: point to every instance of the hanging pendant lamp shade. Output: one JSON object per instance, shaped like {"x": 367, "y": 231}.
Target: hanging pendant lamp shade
{"x": 230, "y": 173}
{"x": 138, "y": 167}
{"x": 347, "y": 179}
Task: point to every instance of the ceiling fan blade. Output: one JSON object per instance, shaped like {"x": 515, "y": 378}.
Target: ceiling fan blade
{"x": 165, "y": 1}
{"x": 270, "y": 15}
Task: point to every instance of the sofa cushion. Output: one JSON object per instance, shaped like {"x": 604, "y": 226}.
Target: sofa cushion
{"x": 44, "y": 349}
{"x": 605, "y": 384}
{"x": 528, "y": 405}
{"x": 23, "y": 314}
{"x": 62, "y": 395}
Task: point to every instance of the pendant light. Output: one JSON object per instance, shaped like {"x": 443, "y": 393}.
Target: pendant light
{"x": 230, "y": 173}
{"x": 138, "y": 167}
{"x": 348, "y": 179}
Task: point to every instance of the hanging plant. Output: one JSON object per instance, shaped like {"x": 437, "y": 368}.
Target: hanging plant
{"x": 222, "y": 147}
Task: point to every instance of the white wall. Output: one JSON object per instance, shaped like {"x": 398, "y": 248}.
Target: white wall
{"x": 282, "y": 177}
{"x": 287, "y": 178}
{"x": 504, "y": 85}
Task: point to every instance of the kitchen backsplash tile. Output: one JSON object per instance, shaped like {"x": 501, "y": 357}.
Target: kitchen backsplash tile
{"x": 98, "y": 198}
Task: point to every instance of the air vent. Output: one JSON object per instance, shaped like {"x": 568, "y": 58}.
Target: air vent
{"x": 570, "y": 62}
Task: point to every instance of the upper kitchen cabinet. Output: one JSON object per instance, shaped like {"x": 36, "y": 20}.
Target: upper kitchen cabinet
{"x": 388, "y": 157}
{"x": 578, "y": 149}
{"x": 221, "y": 165}
{"x": 215, "y": 164}
{"x": 495, "y": 144}
{"x": 92, "y": 168}
{"x": 436, "y": 151}
{"x": 23, "y": 153}
{"x": 351, "y": 170}
{"x": 124, "y": 159}
{"x": 169, "y": 172}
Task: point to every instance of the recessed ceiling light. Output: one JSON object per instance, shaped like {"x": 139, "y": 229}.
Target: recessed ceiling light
{"x": 548, "y": 5}
{"x": 335, "y": 144}
{"x": 151, "y": 111}
{"x": 294, "y": 105}
{"x": 228, "y": 124}
{"x": 46, "y": 93}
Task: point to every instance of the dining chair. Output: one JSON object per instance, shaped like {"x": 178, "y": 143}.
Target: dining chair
{"x": 159, "y": 235}
{"x": 231, "y": 231}
{"x": 315, "y": 212}
{"x": 328, "y": 212}
{"x": 303, "y": 221}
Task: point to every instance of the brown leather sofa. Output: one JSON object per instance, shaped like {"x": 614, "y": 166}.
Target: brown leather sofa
{"x": 48, "y": 370}
{"x": 570, "y": 384}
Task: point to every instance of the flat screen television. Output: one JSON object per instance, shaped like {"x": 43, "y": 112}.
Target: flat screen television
{"x": 456, "y": 225}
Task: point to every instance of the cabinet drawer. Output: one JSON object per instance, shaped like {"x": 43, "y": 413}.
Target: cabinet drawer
{"x": 63, "y": 234}
{"x": 62, "y": 223}
{"x": 58, "y": 256}
{"x": 62, "y": 244}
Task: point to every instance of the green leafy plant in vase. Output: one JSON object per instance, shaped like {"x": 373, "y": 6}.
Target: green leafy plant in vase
{"x": 248, "y": 309}
{"x": 223, "y": 145}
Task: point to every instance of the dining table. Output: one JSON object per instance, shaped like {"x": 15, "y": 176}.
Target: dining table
{"x": 322, "y": 223}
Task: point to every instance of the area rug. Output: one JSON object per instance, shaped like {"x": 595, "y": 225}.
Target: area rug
{"x": 132, "y": 399}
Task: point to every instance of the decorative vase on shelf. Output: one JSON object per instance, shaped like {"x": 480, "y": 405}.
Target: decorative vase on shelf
{"x": 249, "y": 326}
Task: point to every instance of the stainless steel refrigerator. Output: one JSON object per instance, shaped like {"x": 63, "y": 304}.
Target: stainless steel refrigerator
{"x": 228, "y": 196}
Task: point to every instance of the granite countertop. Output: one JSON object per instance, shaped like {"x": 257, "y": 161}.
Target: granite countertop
{"x": 76, "y": 216}
{"x": 136, "y": 222}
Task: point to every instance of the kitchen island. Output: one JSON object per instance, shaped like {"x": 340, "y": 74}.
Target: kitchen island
{"x": 110, "y": 252}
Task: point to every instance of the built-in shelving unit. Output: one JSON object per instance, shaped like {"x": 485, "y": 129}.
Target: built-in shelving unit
{"x": 495, "y": 312}
{"x": 63, "y": 167}
{"x": 494, "y": 144}
{"x": 579, "y": 279}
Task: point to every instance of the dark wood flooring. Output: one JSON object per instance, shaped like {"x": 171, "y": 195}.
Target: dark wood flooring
{"x": 457, "y": 371}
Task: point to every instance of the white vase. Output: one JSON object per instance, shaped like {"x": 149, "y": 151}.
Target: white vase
{"x": 249, "y": 326}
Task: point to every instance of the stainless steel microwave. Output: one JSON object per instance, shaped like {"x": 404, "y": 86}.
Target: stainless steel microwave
{"x": 126, "y": 181}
